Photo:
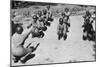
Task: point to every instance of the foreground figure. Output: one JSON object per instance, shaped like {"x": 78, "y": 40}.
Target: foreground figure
{"x": 18, "y": 40}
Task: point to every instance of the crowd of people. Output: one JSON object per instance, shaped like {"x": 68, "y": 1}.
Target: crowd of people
{"x": 64, "y": 24}
{"x": 88, "y": 29}
{"x": 20, "y": 33}
{"x": 39, "y": 23}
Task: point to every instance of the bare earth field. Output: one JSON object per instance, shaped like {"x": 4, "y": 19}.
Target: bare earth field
{"x": 52, "y": 50}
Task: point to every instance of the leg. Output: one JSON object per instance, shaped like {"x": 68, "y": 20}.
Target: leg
{"x": 67, "y": 29}
{"x": 60, "y": 36}
{"x": 84, "y": 37}
{"x": 29, "y": 53}
{"x": 65, "y": 36}
{"x": 27, "y": 58}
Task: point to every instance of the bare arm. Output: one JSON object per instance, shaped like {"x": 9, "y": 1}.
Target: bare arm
{"x": 25, "y": 34}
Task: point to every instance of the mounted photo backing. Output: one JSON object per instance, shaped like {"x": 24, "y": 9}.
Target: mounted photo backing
{"x": 52, "y": 33}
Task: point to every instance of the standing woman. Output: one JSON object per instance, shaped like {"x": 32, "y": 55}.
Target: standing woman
{"x": 66, "y": 20}
{"x": 60, "y": 29}
{"x": 67, "y": 17}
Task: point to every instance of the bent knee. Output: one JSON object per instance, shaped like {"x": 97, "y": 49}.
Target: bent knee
{"x": 19, "y": 51}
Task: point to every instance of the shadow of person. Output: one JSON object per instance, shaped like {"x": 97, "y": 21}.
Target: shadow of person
{"x": 27, "y": 58}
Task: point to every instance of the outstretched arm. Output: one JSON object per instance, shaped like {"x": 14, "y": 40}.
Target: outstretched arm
{"x": 25, "y": 34}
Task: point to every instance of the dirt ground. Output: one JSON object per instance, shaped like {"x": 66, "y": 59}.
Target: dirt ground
{"x": 52, "y": 50}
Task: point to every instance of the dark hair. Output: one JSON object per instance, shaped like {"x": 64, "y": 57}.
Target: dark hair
{"x": 44, "y": 11}
{"x": 34, "y": 17}
{"x": 61, "y": 21}
{"x": 39, "y": 13}
{"x": 19, "y": 29}
{"x": 66, "y": 9}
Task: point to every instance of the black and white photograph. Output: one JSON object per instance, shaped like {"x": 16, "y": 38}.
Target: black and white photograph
{"x": 43, "y": 33}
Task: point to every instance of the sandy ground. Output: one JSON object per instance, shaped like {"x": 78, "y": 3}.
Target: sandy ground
{"x": 52, "y": 50}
